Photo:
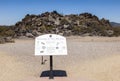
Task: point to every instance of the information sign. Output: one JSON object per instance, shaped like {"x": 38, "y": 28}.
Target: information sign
{"x": 50, "y": 44}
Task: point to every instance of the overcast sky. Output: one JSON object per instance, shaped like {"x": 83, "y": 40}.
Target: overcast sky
{"x": 12, "y": 11}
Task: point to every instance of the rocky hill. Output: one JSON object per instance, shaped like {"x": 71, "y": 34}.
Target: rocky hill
{"x": 84, "y": 24}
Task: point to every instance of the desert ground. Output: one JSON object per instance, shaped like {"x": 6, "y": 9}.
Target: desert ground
{"x": 89, "y": 58}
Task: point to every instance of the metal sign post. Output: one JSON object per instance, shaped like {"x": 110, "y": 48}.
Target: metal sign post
{"x": 51, "y": 75}
{"x": 42, "y": 62}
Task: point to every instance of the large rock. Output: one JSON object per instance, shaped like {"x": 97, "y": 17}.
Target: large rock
{"x": 110, "y": 32}
{"x": 30, "y": 35}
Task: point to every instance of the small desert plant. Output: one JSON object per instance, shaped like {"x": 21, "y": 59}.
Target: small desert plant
{"x": 116, "y": 31}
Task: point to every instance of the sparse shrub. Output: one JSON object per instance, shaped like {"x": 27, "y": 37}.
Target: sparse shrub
{"x": 64, "y": 21}
{"x": 6, "y": 31}
{"x": 116, "y": 31}
{"x": 76, "y": 30}
{"x": 9, "y": 33}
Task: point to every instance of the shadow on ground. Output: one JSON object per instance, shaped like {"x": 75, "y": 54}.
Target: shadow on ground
{"x": 56, "y": 73}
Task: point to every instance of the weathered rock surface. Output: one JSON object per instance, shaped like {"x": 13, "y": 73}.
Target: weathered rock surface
{"x": 53, "y": 22}
{"x": 84, "y": 24}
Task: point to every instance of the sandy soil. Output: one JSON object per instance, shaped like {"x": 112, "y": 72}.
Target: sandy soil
{"x": 91, "y": 58}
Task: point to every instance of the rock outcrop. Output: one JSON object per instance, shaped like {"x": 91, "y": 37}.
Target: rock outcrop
{"x": 53, "y": 22}
{"x": 84, "y": 24}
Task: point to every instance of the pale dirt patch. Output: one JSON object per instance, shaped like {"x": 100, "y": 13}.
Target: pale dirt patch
{"x": 10, "y": 69}
{"x": 91, "y": 58}
{"x": 102, "y": 69}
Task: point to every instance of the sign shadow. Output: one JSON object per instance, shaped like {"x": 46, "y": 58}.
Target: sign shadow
{"x": 56, "y": 73}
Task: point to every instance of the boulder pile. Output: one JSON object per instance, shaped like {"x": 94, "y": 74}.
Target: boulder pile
{"x": 84, "y": 24}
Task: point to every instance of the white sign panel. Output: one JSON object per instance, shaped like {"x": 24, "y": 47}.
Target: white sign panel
{"x": 50, "y": 44}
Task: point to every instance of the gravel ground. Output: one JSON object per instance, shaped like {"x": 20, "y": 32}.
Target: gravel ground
{"x": 91, "y": 58}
